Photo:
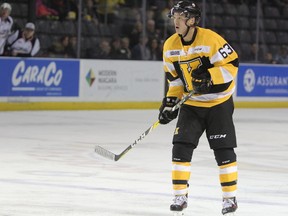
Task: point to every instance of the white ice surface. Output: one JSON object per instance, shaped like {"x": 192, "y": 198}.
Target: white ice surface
{"x": 48, "y": 165}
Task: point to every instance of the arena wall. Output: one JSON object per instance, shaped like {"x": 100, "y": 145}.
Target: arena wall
{"x": 72, "y": 84}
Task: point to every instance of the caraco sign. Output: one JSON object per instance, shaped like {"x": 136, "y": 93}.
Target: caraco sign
{"x": 39, "y": 78}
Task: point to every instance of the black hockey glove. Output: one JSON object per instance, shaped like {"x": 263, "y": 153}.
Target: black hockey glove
{"x": 201, "y": 81}
{"x": 166, "y": 115}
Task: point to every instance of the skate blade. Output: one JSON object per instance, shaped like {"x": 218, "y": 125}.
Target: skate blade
{"x": 230, "y": 214}
{"x": 181, "y": 213}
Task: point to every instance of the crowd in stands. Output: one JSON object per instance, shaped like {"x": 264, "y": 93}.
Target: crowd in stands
{"x": 20, "y": 42}
{"x": 113, "y": 29}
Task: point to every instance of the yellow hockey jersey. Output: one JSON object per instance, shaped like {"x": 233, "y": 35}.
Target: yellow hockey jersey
{"x": 209, "y": 50}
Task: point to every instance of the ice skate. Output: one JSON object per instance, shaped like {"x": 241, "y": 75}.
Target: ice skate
{"x": 179, "y": 205}
{"x": 229, "y": 206}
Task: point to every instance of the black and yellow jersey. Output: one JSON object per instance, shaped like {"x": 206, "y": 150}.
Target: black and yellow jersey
{"x": 209, "y": 50}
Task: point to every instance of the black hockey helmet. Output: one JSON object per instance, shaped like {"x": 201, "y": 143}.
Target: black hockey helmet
{"x": 188, "y": 8}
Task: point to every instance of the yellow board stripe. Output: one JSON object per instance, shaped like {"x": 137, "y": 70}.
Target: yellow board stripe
{"x": 11, "y": 106}
{"x": 261, "y": 104}
{"x": 17, "y": 106}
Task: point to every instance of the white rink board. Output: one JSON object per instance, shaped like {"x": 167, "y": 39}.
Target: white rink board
{"x": 121, "y": 81}
{"x": 114, "y": 81}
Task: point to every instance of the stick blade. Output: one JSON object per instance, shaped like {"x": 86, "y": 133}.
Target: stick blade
{"x": 105, "y": 153}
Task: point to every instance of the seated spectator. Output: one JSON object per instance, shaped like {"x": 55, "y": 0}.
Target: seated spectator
{"x": 117, "y": 51}
{"x": 62, "y": 49}
{"x": 125, "y": 44}
{"x": 67, "y": 9}
{"x": 282, "y": 56}
{"x": 140, "y": 51}
{"x": 103, "y": 51}
{"x": 268, "y": 58}
{"x": 107, "y": 10}
{"x": 135, "y": 34}
{"x": 89, "y": 12}
{"x": 43, "y": 10}
{"x": 73, "y": 46}
{"x": 156, "y": 51}
{"x": 23, "y": 43}
{"x": 151, "y": 30}
{"x": 6, "y": 23}
{"x": 251, "y": 54}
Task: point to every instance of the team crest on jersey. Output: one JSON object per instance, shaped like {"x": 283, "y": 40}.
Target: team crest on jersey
{"x": 186, "y": 68}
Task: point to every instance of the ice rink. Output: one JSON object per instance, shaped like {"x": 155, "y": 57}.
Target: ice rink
{"x": 48, "y": 165}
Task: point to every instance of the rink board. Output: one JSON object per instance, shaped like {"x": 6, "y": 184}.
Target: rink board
{"x": 71, "y": 84}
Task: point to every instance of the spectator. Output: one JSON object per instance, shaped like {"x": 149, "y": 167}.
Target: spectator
{"x": 62, "y": 48}
{"x": 132, "y": 16}
{"x": 125, "y": 44}
{"x": 60, "y": 7}
{"x": 135, "y": 34}
{"x": 140, "y": 51}
{"x": 43, "y": 10}
{"x": 23, "y": 43}
{"x": 151, "y": 31}
{"x": 251, "y": 55}
{"x": 117, "y": 51}
{"x": 150, "y": 14}
{"x": 107, "y": 10}
{"x": 103, "y": 51}
{"x": 67, "y": 9}
{"x": 282, "y": 56}
{"x": 268, "y": 58}
{"x": 6, "y": 23}
{"x": 156, "y": 52}
{"x": 73, "y": 46}
{"x": 89, "y": 12}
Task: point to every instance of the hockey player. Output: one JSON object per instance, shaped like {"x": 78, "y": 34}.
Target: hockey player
{"x": 6, "y": 23}
{"x": 199, "y": 59}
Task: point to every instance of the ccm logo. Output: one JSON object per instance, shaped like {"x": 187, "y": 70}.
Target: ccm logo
{"x": 218, "y": 136}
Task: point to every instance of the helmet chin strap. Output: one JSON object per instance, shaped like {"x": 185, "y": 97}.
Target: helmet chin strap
{"x": 188, "y": 28}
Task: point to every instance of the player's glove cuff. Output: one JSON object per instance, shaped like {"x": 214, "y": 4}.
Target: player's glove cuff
{"x": 166, "y": 114}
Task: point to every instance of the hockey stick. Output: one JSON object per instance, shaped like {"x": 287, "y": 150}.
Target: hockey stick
{"x": 115, "y": 157}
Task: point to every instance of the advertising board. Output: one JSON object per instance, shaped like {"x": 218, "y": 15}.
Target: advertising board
{"x": 39, "y": 78}
{"x": 118, "y": 81}
{"x": 262, "y": 81}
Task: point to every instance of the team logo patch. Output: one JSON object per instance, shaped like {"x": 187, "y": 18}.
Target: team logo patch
{"x": 174, "y": 52}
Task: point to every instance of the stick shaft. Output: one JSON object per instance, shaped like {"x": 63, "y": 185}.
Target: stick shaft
{"x": 109, "y": 155}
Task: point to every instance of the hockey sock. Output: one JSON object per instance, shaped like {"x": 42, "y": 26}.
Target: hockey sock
{"x": 228, "y": 176}
{"x": 180, "y": 176}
